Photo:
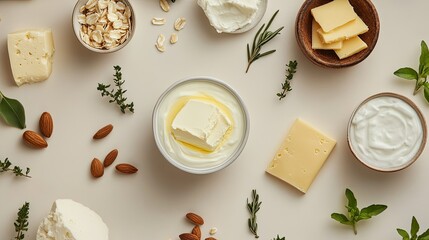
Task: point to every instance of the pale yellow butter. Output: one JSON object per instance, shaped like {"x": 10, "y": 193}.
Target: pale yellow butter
{"x": 317, "y": 43}
{"x": 348, "y": 30}
{"x": 350, "y": 47}
{"x": 301, "y": 155}
{"x": 334, "y": 14}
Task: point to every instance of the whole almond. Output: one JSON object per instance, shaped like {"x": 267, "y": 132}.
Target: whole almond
{"x": 103, "y": 132}
{"x": 46, "y": 124}
{"x": 97, "y": 169}
{"x": 126, "y": 168}
{"x": 196, "y": 231}
{"x": 195, "y": 218}
{"x": 210, "y": 238}
{"x": 34, "y": 139}
{"x": 110, "y": 157}
{"x": 188, "y": 236}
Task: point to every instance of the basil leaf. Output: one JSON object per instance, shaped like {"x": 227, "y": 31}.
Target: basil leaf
{"x": 352, "y": 200}
{"x": 407, "y": 73}
{"x": 340, "y": 218}
{"x": 371, "y": 211}
{"x": 426, "y": 91}
{"x": 12, "y": 112}
{"x": 424, "y": 56}
{"x": 414, "y": 227}
{"x": 424, "y": 236}
{"x": 403, "y": 234}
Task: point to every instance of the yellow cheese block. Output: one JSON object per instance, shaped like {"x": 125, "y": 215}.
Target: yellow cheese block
{"x": 334, "y": 14}
{"x": 348, "y": 30}
{"x": 350, "y": 47}
{"x": 301, "y": 155}
{"x": 317, "y": 43}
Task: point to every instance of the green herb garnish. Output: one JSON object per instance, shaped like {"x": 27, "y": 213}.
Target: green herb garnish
{"x": 290, "y": 71}
{"x": 278, "y": 238}
{"x": 355, "y": 215}
{"x": 118, "y": 95}
{"x": 21, "y": 223}
{"x": 420, "y": 77}
{"x": 5, "y": 166}
{"x": 253, "y": 208}
{"x": 415, "y": 227}
{"x": 12, "y": 111}
{"x": 262, "y": 37}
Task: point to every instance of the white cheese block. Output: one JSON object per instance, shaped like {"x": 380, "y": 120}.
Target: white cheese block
{"x": 350, "y": 47}
{"x": 334, "y": 14}
{"x": 201, "y": 124}
{"x": 31, "y": 55}
{"x": 347, "y": 31}
{"x": 69, "y": 220}
{"x": 317, "y": 43}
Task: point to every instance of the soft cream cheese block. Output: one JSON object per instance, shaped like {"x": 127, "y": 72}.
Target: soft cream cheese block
{"x": 317, "y": 43}
{"x": 348, "y": 30}
{"x": 200, "y": 124}
{"x": 301, "y": 155}
{"x": 333, "y": 14}
{"x": 350, "y": 47}
{"x": 69, "y": 220}
{"x": 31, "y": 55}
{"x": 229, "y": 15}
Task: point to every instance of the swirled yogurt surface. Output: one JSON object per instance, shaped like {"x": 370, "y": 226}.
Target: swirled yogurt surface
{"x": 204, "y": 90}
{"x": 386, "y": 132}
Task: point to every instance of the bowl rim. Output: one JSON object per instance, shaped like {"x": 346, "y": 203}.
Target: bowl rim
{"x": 76, "y": 27}
{"x": 235, "y": 154}
{"x": 304, "y": 11}
{"x": 422, "y": 121}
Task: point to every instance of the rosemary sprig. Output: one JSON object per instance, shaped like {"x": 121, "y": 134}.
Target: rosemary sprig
{"x": 21, "y": 223}
{"x": 118, "y": 95}
{"x": 5, "y": 166}
{"x": 261, "y": 38}
{"x": 253, "y": 208}
{"x": 290, "y": 71}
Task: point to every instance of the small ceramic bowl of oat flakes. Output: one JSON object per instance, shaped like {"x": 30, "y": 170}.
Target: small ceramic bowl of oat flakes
{"x": 103, "y": 26}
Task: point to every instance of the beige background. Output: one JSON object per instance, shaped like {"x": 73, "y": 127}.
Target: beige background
{"x": 152, "y": 203}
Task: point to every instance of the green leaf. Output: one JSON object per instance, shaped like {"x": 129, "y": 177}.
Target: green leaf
{"x": 340, "y": 218}
{"x": 403, "y": 234}
{"x": 407, "y": 73}
{"x": 424, "y": 56}
{"x": 424, "y": 236}
{"x": 414, "y": 227}
{"x": 352, "y": 200}
{"x": 426, "y": 92}
{"x": 371, "y": 211}
{"x": 12, "y": 112}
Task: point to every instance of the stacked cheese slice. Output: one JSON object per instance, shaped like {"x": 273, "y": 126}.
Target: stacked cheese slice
{"x": 336, "y": 26}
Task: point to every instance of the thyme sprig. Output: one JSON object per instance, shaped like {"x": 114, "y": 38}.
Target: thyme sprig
{"x": 290, "y": 71}
{"x": 262, "y": 37}
{"x": 118, "y": 95}
{"x": 253, "y": 208}
{"x": 21, "y": 223}
{"x": 279, "y": 238}
{"x": 6, "y": 166}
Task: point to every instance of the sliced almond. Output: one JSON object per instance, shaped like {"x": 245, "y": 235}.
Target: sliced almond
{"x": 160, "y": 43}
{"x": 180, "y": 23}
{"x": 158, "y": 21}
{"x": 164, "y": 5}
{"x": 174, "y": 38}
{"x": 103, "y": 132}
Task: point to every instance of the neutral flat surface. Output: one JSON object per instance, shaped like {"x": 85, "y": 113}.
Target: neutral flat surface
{"x": 152, "y": 203}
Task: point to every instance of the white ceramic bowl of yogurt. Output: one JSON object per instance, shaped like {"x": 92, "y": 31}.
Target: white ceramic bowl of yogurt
{"x": 387, "y": 132}
{"x": 184, "y": 156}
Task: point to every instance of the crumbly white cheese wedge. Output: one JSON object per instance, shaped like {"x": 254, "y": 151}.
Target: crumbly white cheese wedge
{"x": 31, "y": 55}
{"x": 301, "y": 155}
{"x": 69, "y": 220}
{"x": 317, "y": 43}
{"x": 229, "y": 15}
{"x": 351, "y": 47}
{"x": 347, "y": 31}
{"x": 333, "y": 14}
{"x": 200, "y": 124}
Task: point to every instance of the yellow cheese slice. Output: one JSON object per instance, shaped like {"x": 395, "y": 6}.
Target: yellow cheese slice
{"x": 333, "y": 14}
{"x": 317, "y": 43}
{"x": 350, "y": 47}
{"x": 348, "y": 30}
{"x": 301, "y": 155}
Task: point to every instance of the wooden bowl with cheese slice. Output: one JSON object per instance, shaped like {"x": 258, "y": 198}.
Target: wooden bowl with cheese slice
{"x": 337, "y": 33}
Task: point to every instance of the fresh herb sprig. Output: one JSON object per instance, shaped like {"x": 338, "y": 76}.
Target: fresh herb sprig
{"x": 12, "y": 111}
{"x": 415, "y": 227}
{"x": 279, "y": 238}
{"x": 253, "y": 208}
{"x": 21, "y": 223}
{"x": 118, "y": 95}
{"x": 355, "y": 215}
{"x": 421, "y": 76}
{"x": 262, "y": 37}
{"x": 6, "y": 166}
{"x": 290, "y": 71}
